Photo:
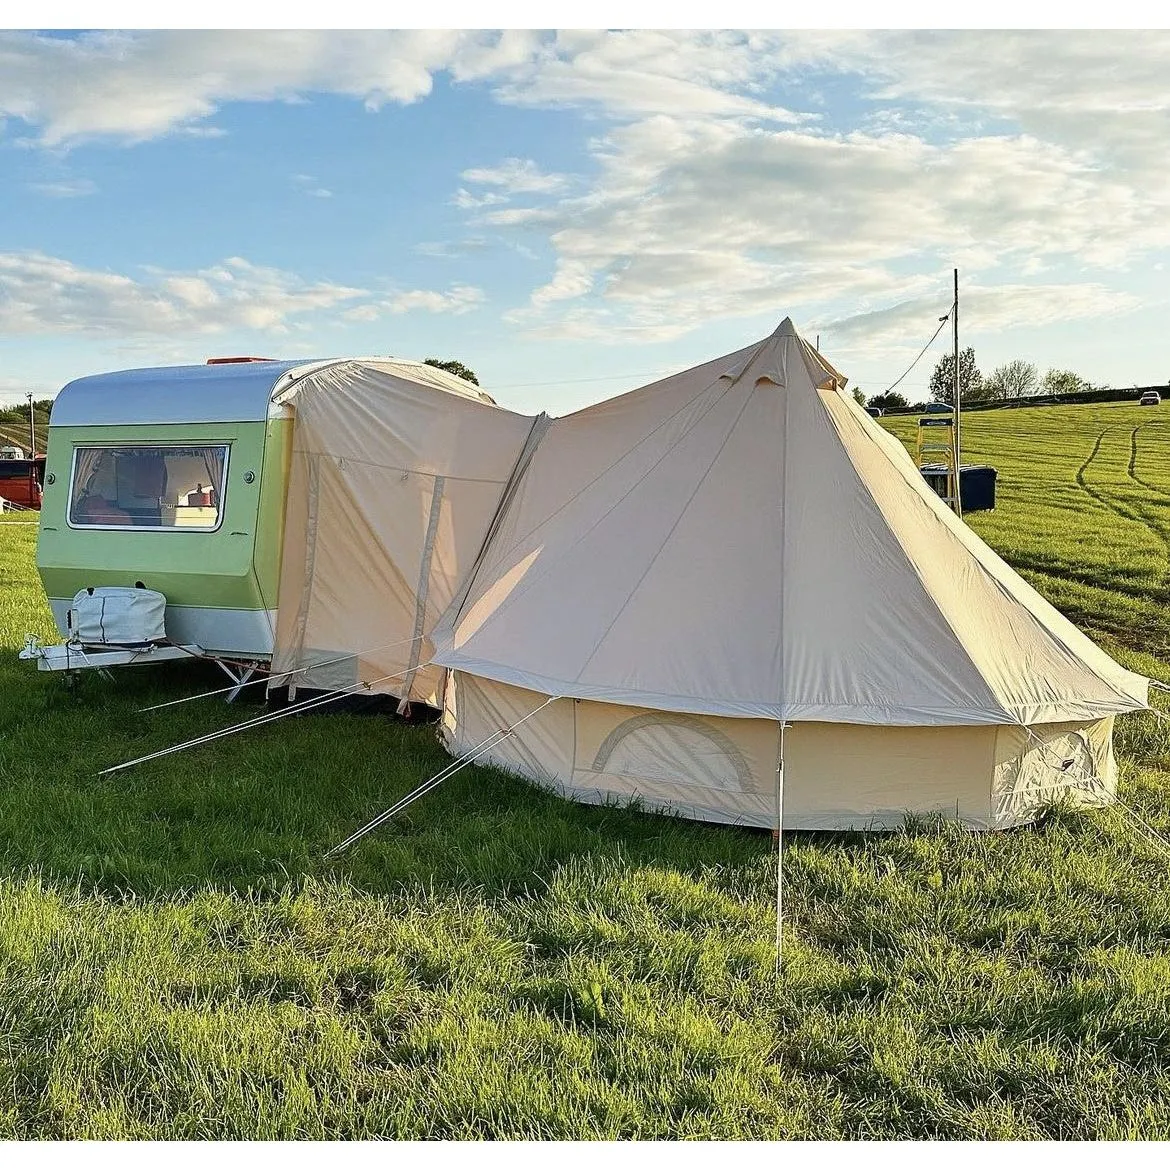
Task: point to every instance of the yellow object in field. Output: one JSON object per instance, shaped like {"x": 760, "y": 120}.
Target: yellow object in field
{"x": 937, "y": 455}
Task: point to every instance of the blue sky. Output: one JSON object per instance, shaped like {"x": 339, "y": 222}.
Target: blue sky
{"x": 574, "y": 214}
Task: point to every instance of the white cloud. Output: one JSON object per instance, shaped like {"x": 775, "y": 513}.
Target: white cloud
{"x": 692, "y": 220}
{"x": 458, "y": 299}
{"x": 517, "y": 176}
{"x": 632, "y": 74}
{"x": 985, "y": 309}
{"x": 466, "y": 201}
{"x": 996, "y": 152}
{"x": 1101, "y": 94}
{"x": 450, "y": 249}
{"x": 308, "y": 185}
{"x": 137, "y": 86}
{"x": 65, "y": 188}
{"x": 1017, "y": 156}
{"x": 45, "y": 295}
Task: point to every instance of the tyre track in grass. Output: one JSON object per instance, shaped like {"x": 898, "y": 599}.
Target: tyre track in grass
{"x": 1133, "y": 457}
{"x": 1119, "y": 509}
{"x": 1131, "y": 471}
{"x": 1100, "y": 497}
{"x": 1164, "y": 493}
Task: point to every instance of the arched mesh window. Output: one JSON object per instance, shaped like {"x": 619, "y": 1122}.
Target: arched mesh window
{"x": 682, "y": 749}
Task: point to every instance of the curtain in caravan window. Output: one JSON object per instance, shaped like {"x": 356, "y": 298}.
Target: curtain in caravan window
{"x": 88, "y": 459}
{"x": 87, "y": 504}
{"x": 213, "y": 460}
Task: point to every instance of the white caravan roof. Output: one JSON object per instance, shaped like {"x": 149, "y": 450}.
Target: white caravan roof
{"x": 222, "y": 392}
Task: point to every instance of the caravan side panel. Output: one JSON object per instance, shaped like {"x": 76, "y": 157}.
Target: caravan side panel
{"x": 209, "y": 577}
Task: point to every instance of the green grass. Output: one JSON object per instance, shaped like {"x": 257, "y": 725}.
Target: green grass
{"x": 177, "y": 960}
{"x": 1083, "y": 509}
{"x": 14, "y": 425}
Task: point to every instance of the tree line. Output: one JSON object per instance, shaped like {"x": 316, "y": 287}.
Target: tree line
{"x": 1013, "y": 380}
{"x": 18, "y": 413}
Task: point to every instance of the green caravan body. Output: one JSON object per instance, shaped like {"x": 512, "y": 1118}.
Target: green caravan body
{"x": 173, "y": 479}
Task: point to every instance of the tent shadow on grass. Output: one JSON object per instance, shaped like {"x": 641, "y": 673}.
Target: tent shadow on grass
{"x": 255, "y": 812}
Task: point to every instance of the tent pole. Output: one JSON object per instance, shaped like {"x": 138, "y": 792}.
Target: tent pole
{"x": 779, "y": 847}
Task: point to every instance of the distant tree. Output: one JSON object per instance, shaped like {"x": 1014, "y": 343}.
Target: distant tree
{"x": 17, "y": 412}
{"x": 971, "y": 384}
{"x": 890, "y": 400}
{"x": 454, "y": 367}
{"x": 858, "y": 397}
{"x": 1064, "y": 382}
{"x": 1014, "y": 379}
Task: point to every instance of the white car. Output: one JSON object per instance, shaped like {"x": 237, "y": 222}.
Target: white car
{"x": 1150, "y": 398}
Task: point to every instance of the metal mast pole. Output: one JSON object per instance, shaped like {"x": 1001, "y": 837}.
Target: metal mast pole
{"x": 958, "y": 395}
{"x": 32, "y": 429}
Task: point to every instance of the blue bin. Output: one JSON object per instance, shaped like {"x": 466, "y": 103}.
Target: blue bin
{"x": 976, "y": 484}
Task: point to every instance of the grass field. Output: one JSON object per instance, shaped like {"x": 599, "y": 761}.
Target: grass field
{"x": 14, "y": 426}
{"x": 177, "y": 961}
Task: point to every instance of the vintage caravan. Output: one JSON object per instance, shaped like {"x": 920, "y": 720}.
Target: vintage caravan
{"x": 172, "y": 481}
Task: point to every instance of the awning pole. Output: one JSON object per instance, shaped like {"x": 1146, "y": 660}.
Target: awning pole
{"x": 958, "y": 399}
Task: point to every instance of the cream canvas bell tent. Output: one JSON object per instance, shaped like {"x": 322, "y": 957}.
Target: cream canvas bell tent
{"x": 734, "y": 578}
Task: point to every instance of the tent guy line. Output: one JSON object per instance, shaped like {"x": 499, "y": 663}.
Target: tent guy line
{"x": 426, "y": 786}
{"x": 942, "y": 321}
{"x": 259, "y": 721}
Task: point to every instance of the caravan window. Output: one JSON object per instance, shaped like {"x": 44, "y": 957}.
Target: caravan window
{"x": 148, "y": 487}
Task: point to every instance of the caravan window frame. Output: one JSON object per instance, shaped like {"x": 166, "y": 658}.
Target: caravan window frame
{"x": 148, "y": 445}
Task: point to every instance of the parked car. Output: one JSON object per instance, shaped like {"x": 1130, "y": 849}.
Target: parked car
{"x": 1150, "y": 398}
{"x": 875, "y": 411}
{"x": 939, "y": 408}
{"x": 20, "y": 482}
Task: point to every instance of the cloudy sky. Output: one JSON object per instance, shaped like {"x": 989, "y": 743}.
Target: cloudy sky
{"x": 572, "y": 214}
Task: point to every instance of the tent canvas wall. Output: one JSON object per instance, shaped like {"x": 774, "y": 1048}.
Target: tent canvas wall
{"x": 692, "y": 565}
{"x": 836, "y": 775}
{"x": 392, "y": 489}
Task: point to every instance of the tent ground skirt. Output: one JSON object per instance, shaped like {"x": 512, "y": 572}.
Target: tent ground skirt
{"x": 837, "y": 776}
